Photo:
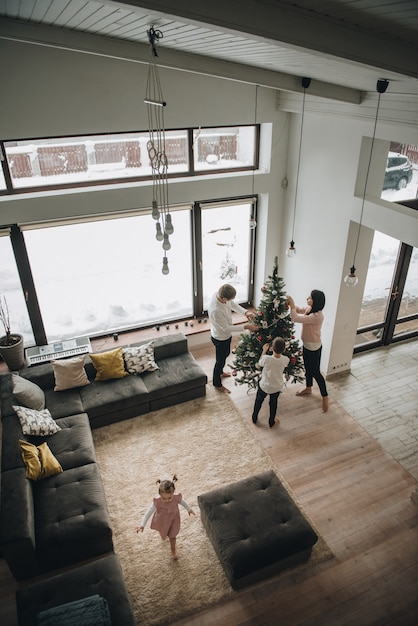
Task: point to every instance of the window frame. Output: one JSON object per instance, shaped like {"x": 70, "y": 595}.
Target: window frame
{"x": 28, "y": 283}
{"x": 190, "y": 172}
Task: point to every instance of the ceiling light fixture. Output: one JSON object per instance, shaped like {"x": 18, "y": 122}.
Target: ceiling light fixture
{"x": 157, "y": 151}
{"x": 252, "y": 221}
{"x": 351, "y": 278}
{"x": 291, "y": 251}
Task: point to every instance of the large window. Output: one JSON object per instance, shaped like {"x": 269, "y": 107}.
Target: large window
{"x": 12, "y": 289}
{"x": 226, "y": 247}
{"x": 88, "y": 160}
{"x": 102, "y": 276}
{"x": 96, "y": 277}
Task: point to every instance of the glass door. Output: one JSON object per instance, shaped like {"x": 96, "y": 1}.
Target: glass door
{"x": 389, "y": 310}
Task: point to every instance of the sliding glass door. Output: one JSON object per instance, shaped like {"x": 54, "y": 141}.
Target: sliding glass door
{"x": 390, "y": 301}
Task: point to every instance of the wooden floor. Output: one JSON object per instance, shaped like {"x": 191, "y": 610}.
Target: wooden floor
{"x": 357, "y": 495}
{"x": 353, "y": 488}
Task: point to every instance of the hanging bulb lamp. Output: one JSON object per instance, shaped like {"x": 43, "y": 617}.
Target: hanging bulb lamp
{"x": 252, "y": 222}
{"x": 351, "y": 279}
{"x": 169, "y": 229}
{"x": 159, "y": 235}
{"x": 291, "y": 251}
{"x": 156, "y": 147}
{"x": 155, "y": 212}
{"x": 166, "y": 242}
{"x": 165, "y": 269}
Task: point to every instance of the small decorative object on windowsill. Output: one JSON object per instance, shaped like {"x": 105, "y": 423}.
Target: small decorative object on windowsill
{"x": 351, "y": 279}
{"x": 12, "y": 348}
{"x": 291, "y": 251}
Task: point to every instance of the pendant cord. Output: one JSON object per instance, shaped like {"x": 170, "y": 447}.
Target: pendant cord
{"x": 367, "y": 178}
{"x": 298, "y": 168}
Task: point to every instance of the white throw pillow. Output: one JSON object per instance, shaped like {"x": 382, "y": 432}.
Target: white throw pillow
{"x": 139, "y": 359}
{"x": 27, "y": 393}
{"x": 70, "y": 373}
{"x": 36, "y": 422}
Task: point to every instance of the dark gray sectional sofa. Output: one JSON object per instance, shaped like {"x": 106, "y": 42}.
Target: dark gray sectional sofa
{"x": 62, "y": 520}
{"x": 178, "y": 379}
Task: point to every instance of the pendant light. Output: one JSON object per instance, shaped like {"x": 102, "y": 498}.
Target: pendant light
{"x": 351, "y": 278}
{"x": 157, "y": 151}
{"x": 291, "y": 251}
{"x": 252, "y": 221}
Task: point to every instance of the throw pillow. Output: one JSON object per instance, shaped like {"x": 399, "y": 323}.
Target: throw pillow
{"x": 36, "y": 422}
{"x": 39, "y": 460}
{"x": 139, "y": 358}
{"x": 109, "y": 364}
{"x": 27, "y": 393}
{"x": 70, "y": 373}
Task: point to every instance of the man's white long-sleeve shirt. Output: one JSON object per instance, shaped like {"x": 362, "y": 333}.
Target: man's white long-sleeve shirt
{"x": 220, "y": 316}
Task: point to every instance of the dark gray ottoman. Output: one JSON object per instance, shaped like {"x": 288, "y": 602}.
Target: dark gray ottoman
{"x": 256, "y": 528}
{"x": 102, "y": 577}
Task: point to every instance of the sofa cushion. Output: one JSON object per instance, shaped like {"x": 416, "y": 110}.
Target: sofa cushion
{"x": 102, "y": 576}
{"x": 64, "y": 403}
{"x": 109, "y": 364}
{"x": 72, "y": 445}
{"x": 71, "y": 517}
{"x": 113, "y": 395}
{"x": 26, "y": 393}
{"x": 42, "y": 375}
{"x": 167, "y": 347}
{"x": 36, "y": 422}
{"x": 139, "y": 359}
{"x": 174, "y": 378}
{"x": 70, "y": 373}
{"x": 39, "y": 460}
{"x": 17, "y": 523}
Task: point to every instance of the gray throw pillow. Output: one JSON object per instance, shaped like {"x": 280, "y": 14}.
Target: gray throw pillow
{"x": 26, "y": 393}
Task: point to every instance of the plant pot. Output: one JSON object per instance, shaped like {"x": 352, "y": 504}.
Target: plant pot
{"x": 13, "y": 354}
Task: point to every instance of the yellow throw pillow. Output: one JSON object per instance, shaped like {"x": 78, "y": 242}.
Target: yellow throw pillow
{"x": 109, "y": 364}
{"x": 39, "y": 460}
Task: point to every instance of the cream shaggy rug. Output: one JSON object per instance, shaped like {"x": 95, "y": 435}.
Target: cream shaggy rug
{"x": 207, "y": 444}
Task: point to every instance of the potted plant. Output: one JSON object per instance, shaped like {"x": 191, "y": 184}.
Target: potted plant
{"x": 11, "y": 344}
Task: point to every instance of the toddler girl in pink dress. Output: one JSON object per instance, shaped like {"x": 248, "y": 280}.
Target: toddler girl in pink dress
{"x": 165, "y": 512}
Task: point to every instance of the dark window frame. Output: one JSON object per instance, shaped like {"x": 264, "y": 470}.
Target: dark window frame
{"x": 190, "y": 173}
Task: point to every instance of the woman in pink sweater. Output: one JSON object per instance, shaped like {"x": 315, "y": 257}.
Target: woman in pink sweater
{"x": 311, "y": 318}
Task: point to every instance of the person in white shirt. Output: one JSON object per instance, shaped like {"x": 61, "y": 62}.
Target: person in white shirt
{"x": 220, "y": 315}
{"x": 271, "y": 381}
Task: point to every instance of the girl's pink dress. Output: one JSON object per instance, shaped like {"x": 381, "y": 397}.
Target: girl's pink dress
{"x": 166, "y": 518}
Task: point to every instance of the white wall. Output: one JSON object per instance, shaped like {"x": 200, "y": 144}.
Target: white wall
{"x": 327, "y": 218}
{"x": 52, "y": 92}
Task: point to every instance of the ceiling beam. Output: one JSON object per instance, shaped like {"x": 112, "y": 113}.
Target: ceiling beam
{"x": 140, "y": 53}
{"x": 298, "y": 28}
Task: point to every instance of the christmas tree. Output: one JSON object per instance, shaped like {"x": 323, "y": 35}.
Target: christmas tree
{"x": 273, "y": 320}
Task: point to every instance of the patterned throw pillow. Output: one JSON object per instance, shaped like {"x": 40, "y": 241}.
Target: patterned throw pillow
{"x": 36, "y": 422}
{"x": 39, "y": 460}
{"x": 139, "y": 359}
